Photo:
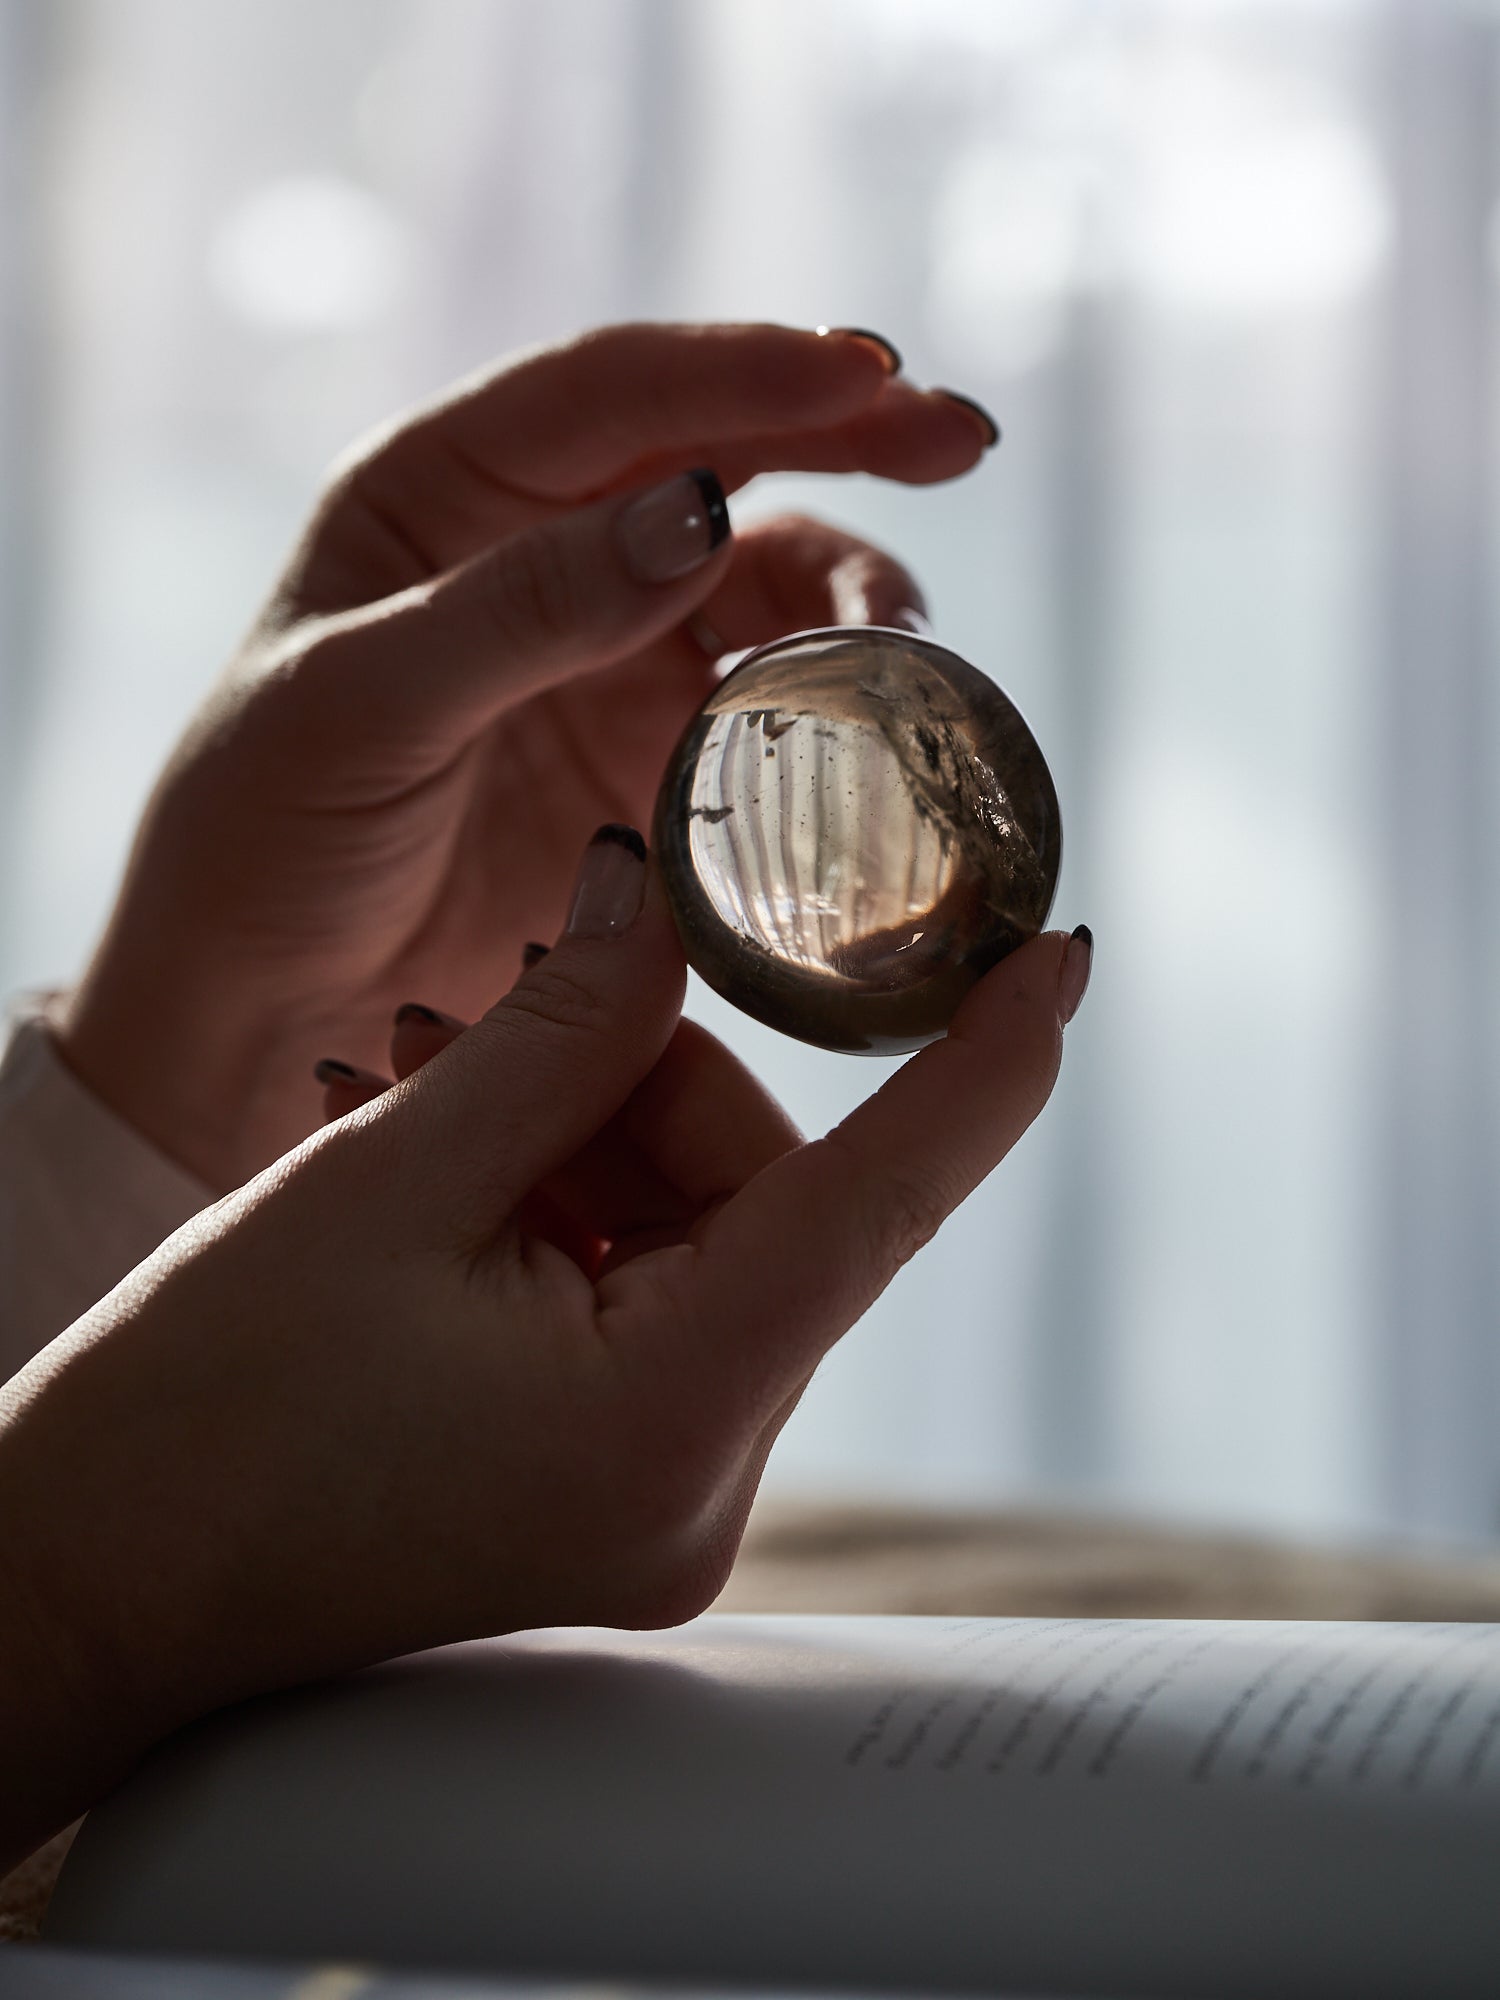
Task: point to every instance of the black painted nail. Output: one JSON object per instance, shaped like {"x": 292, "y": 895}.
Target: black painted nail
{"x": 715, "y": 506}
{"x": 889, "y": 352}
{"x": 979, "y": 410}
{"x": 1078, "y": 963}
{"x": 533, "y": 954}
{"x": 621, "y": 836}
{"x": 326, "y": 1070}
{"x": 611, "y": 885}
{"x": 672, "y": 528}
{"x": 413, "y": 1010}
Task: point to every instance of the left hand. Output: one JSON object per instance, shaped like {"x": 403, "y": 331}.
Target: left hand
{"x": 466, "y": 667}
{"x": 365, "y": 1405}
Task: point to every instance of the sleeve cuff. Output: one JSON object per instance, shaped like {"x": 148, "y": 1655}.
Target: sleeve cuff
{"x": 83, "y": 1197}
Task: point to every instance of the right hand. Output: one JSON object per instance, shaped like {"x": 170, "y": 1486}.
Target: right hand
{"x": 487, "y": 643}
{"x": 363, "y": 1407}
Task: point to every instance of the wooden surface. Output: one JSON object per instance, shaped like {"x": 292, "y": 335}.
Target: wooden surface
{"x": 1016, "y": 1565}
{"x": 1019, "y": 1564}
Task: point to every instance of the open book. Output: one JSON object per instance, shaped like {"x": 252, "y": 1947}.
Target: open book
{"x": 1081, "y": 1806}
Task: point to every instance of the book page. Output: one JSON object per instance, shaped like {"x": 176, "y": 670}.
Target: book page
{"x": 1099, "y": 1806}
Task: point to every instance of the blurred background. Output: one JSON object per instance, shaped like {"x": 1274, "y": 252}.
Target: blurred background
{"x": 1227, "y": 271}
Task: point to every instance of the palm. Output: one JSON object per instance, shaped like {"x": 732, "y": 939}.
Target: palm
{"x": 492, "y": 869}
{"x": 487, "y": 832}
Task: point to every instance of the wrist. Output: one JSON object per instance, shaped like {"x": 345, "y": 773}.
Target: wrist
{"x": 197, "y": 1076}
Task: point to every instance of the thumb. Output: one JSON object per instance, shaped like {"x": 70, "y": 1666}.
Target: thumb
{"x": 847, "y": 1210}
{"x": 435, "y": 663}
{"x": 518, "y": 1094}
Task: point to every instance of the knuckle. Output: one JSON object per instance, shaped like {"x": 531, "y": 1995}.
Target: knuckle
{"x": 914, "y": 1213}
{"x": 559, "y": 996}
{"x": 910, "y": 1208}
{"x": 531, "y": 591}
{"x": 355, "y": 486}
{"x": 377, "y": 455}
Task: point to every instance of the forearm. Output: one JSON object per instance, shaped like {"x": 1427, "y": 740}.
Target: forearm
{"x": 57, "y": 1758}
{"x": 65, "y": 1739}
{"x": 100, "y": 1656}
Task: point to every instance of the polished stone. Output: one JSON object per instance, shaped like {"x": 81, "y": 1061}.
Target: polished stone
{"x": 856, "y": 825}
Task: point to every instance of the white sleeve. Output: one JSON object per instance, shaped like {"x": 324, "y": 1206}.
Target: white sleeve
{"x": 83, "y": 1197}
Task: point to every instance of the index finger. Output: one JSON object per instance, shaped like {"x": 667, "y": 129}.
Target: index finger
{"x": 794, "y": 1259}
{"x": 564, "y": 423}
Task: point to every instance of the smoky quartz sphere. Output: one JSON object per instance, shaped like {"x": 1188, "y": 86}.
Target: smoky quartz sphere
{"x": 856, "y": 825}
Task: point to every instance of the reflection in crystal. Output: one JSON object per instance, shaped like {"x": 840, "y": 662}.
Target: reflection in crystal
{"x": 819, "y": 859}
{"x": 856, "y": 825}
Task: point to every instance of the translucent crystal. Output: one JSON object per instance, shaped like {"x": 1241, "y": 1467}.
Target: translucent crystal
{"x": 855, "y": 826}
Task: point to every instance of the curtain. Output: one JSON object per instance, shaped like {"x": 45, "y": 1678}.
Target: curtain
{"x": 1225, "y": 270}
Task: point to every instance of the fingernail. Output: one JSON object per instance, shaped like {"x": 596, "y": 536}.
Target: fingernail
{"x": 1073, "y": 980}
{"x": 703, "y": 634}
{"x": 611, "y": 884}
{"x": 670, "y": 529}
{"x": 979, "y": 410}
{"x": 330, "y": 1071}
{"x": 533, "y": 954}
{"x": 909, "y": 619}
{"x": 413, "y": 1010}
{"x": 889, "y": 353}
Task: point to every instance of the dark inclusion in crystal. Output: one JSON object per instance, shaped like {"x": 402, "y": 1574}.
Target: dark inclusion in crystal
{"x": 855, "y": 826}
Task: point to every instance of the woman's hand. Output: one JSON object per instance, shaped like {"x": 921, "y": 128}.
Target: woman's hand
{"x": 367, "y": 1404}
{"x": 488, "y": 642}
